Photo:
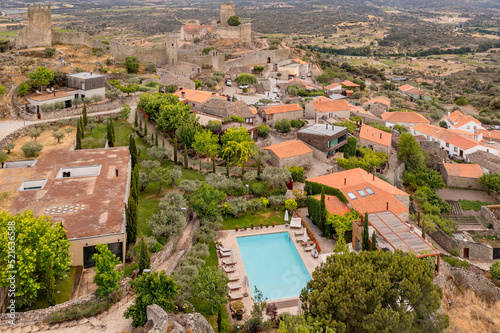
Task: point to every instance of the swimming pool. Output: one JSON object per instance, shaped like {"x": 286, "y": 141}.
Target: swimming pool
{"x": 273, "y": 264}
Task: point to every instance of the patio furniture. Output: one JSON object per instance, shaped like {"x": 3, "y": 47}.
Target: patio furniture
{"x": 296, "y": 223}
{"x": 315, "y": 253}
{"x": 310, "y": 248}
{"x": 229, "y": 269}
{"x": 301, "y": 233}
{"x": 235, "y": 296}
{"x": 224, "y": 254}
{"x": 234, "y": 277}
{"x": 38, "y": 92}
{"x": 234, "y": 286}
{"x": 229, "y": 262}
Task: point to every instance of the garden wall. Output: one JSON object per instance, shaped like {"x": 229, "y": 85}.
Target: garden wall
{"x": 477, "y": 251}
{"x": 492, "y": 214}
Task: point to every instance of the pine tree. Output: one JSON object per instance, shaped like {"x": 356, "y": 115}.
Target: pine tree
{"x": 219, "y": 321}
{"x": 156, "y": 139}
{"x": 134, "y": 184}
{"x": 78, "y": 137}
{"x": 374, "y": 242}
{"x": 50, "y": 284}
{"x": 85, "y": 118}
{"x": 133, "y": 151}
{"x": 131, "y": 215}
{"x": 175, "y": 150}
{"x": 144, "y": 257}
{"x": 186, "y": 162}
{"x": 136, "y": 119}
{"x": 365, "y": 245}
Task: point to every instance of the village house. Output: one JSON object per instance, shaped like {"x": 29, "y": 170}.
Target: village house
{"x": 324, "y": 140}
{"x": 300, "y": 84}
{"x": 192, "y": 31}
{"x": 414, "y": 93}
{"x": 375, "y": 139}
{"x": 85, "y": 190}
{"x": 378, "y": 105}
{"x": 288, "y": 153}
{"x": 367, "y": 193}
{"x": 458, "y": 120}
{"x": 349, "y": 85}
{"x": 182, "y": 82}
{"x": 194, "y": 98}
{"x": 182, "y": 68}
{"x": 406, "y": 119}
{"x": 489, "y": 135}
{"x": 333, "y": 88}
{"x": 327, "y": 109}
{"x": 462, "y": 175}
{"x": 222, "y": 108}
{"x": 272, "y": 114}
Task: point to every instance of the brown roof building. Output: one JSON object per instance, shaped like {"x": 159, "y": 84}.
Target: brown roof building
{"x": 462, "y": 175}
{"x": 273, "y": 114}
{"x": 84, "y": 189}
{"x": 328, "y": 109}
{"x": 288, "y": 153}
{"x": 407, "y": 119}
{"x": 375, "y": 139}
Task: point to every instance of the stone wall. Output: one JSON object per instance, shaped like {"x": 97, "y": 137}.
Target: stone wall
{"x": 300, "y": 160}
{"x": 38, "y": 32}
{"x": 242, "y": 32}
{"x": 258, "y": 57}
{"x": 492, "y": 215}
{"x": 317, "y": 154}
{"x": 375, "y": 146}
{"x": 292, "y": 135}
{"x": 477, "y": 251}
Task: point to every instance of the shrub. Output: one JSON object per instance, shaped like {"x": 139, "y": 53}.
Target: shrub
{"x": 495, "y": 269}
{"x": 472, "y": 205}
{"x": 31, "y": 148}
{"x": 49, "y": 51}
{"x": 157, "y": 247}
{"x": 455, "y": 262}
{"x": 298, "y": 173}
{"x": 428, "y": 208}
{"x": 258, "y": 188}
{"x": 283, "y": 126}
{"x": 297, "y": 123}
{"x": 264, "y": 130}
{"x": 454, "y": 253}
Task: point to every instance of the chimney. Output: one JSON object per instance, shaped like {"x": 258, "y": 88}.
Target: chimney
{"x": 373, "y": 174}
{"x": 387, "y": 205}
{"x": 326, "y": 125}
{"x": 345, "y": 181}
{"x": 183, "y": 94}
{"x": 116, "y": 171}
{"x": 381, "y": 135}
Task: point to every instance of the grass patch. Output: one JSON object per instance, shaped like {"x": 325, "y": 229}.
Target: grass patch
{"x": 129, "y": 268}
{"x": 64, "y": 30}
{"x": 98, "y": 137}
{"x": 455, "y": 262}
{"x": 263, "y": 216}
{"x": 4, "y": 196}
{"x": 148, "y": 205}
{"x": 10, "y": 33}
{"x": 473, "y": 205}
{"x": 64, "y": 287}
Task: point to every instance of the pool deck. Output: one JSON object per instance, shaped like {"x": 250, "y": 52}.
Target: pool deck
{"x": 228, "y": 238}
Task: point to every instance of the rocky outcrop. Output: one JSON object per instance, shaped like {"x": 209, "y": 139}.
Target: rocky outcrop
{"x": 159, "y": 322}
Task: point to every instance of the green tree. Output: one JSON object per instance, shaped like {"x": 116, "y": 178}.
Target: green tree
{"x": 495, "y": 103}
{"x": 206, "y": 200}
{"x": 58, "y": 135}
{"x": 151, "y": 289}
{"x": 322, "y": 211}
{"x": 276, "y": 177}
{"x": 238, "y": 146}
{"x": 37, "y": 240}
{"x": 382, "y": 286}
{"x": 133, "y": 151}
{"x": 160, "y": 176}
{"x": 125, "y": 111}
{"x": 495, "y": 270}
{"x": 219, "y": 320}
{"x": 171, "y": 88}
{"x": 234, "y": 21}
{"x": 423, "y": 177}
{"x": 78, "y": 144}
{"x": 31, "y": 149}
{"x": 187, "y": 130}
{"x": 374, "y": 242}
{"x": 34, "y": 133}
{"x": 9, "y": 147}
{"x": 263, "y": 130}
{"x": 461, "y": 101}
{"x": 491, "y": 181}
{"x": 365, "y": 240}
{"x": 84, "y": 116}
{"x": 259, "y": 305}
{"x": 258, "y": 69}
{"x": 176, "y": 148}
{"x": 131, "y": 64}
{"x": 211, "y": 285}
{"x": 23, "y": 88}
{"x": 205, "y": 142}
{"x": 283, "y": 126}
{"x": 175, "y": 173}
{"x": 132, "y": 219}
{"x": 410, "y": 152}
{"x": 50, "y": 283}
{"x": 40, "y": 77}
{"x": 144, "y": 256}
{"x": 106, "y": 277}
{"x": 110, "y": 132}
{"x": 291, "y": 205}
{"x": 186, "y": 159}
{"x": 245, "y": 78}
{"x": 349, "y": 149}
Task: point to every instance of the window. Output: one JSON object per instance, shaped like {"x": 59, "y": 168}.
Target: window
{"x": 455, "y": 149}
{"x": 31, "y": 185}
{"x": 468, "y": 127}
{"x": 331, "y": 114}
{"x": 76, "y": 95}
{"x": 85, "y": 171}
{"x": 351, "y": 195}
{"x": 83, "y": 85}
{"x": 362, "y": 193}
{"x": 447, "y": 144}
{"x": 369, "y": 191}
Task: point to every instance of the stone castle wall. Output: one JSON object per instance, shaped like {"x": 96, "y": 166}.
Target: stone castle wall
{"x": 38, "y": 32}
{"x": 258, "y": 57}
{"x": 242, "y": 32}
{"x": 226, "y": 11}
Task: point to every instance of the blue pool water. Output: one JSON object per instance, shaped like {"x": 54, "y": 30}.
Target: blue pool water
{"x": 273, "y": 265}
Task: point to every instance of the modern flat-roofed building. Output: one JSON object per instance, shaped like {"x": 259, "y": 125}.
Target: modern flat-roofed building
{"x": 325, "y": 140}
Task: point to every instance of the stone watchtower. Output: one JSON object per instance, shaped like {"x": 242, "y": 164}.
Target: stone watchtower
{"x": 39, "y": 30}
{"x": 171, "y": 47}
{"x": 226, "y": 11}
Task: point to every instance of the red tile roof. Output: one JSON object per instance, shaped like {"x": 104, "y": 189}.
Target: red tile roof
{"x": 458, "y": 119}
{"x": 330, "y": 105}
{"x": 375, "y": 135}
{"x": 439, "y": 132}
{"x": 282, "y": 108}
{"x": 289, "y": 148}
{"x": 380, "y": 99}
{"x": 334, "y": 205}
{"x": 405, "y": 87}
{"x": 463, "y": 170}
{"x": 333, "y": 86}
{"x": 489, "y": 134}
{"x": 194, "y": 95}
{"x": 465, "y": 143}
{"x": 348, "y": 83}
{"x": 404, "y": 117}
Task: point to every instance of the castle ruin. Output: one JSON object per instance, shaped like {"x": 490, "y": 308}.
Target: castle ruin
{"x": 38, "y": 33}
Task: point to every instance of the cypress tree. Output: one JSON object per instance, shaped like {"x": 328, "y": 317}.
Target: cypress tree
{"x": 145, "y": 127}
{"x": 374, "y": 242}
{"x": 136, "y": 119}
{"x": 186, "y": 162}
{"x": 82, "y": 128}
{"x": 156, "y": 139}
{"x": 78, "y": 137}
{"x": 219, "y": 321}
{"x": 144, "y": 257}
{"x": 175, "y": 150}
{"x": 423, "y": 229}
{"x": 133, "y": 151}
{"x": 163, "y": 144}
{"x": 113, "y": 130}
{"x": 132, "y": 219}
{"x": 134, "y": 188}
{"x": 258, "y": 166}
{"x": 322, "y": 217}
{"x": 85, "y": 119}
{"x": 50, "y": 283}
{"x": 365, "y": 245}
{"x": 139, "y": 130}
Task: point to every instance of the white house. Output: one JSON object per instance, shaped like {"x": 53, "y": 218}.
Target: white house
{"x": 460, "y": 121}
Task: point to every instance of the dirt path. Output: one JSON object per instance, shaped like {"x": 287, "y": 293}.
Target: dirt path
{"x": 183, "y": 245}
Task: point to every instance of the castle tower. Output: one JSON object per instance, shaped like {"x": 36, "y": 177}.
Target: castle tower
{"x": 171, "y": 47}
{"x": 39, "y": 29}
{"x": 226, "y": 11}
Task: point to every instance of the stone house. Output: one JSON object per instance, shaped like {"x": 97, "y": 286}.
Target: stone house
{"x": 222, "y": 108}
{"x": 327, "y": 109}
{"x": 375, "y": 139}
{"x": 378, "y": 105}
{"x": 462, "y": 175}
{"x": 288, "y": 153}
{"x": 276, "y": 113}
{"x": 406, "y": 119}
{"x": 333, "y": 88}
{"x": 191, "y": 31}
{"x": 349, "y": 85}
{"x": 194, "y": 98}
{"x": 182, "y": 68}
{"x": 324, "y": 140}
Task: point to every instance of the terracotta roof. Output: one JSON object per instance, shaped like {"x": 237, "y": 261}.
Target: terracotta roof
{"x": 289, "y": 148}
{"x": 330, "y": 106}
{"x": 465, "y": 143}
{"x": 405, "y": 87}
{"x": 495, "y": 135}
{"x": 404, "y": 117}
{"x": 380, "y": 99}
{"x": 458, "y": 119}
{"x": 358, "y": 179}
{"x": 357, "y": 109}
{"x": 322, "y": 98}
{"x": 305, "y": 83}
{"x": 49, "y": 96}
{"x": 439, "y": 132}
{"x": 194, "y": 95}
{"x": 463, "y": 170}
{"x": 254, "y": 110}
{"x": 282, "y": 108}
{"x": 333, "y": 86}
{"x": 334, "y": 205}
{"x": 348, "y": 83}
{"x": 375, "y": 135}
{"x": 416, "y": 91}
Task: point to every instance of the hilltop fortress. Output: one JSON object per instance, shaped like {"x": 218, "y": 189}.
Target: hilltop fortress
{"x": 39, "y": 33}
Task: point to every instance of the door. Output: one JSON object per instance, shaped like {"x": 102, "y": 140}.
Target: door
{"x": 89, "y": 251}
{"x": 496, "y": 253}
{"x": 466, "y": 252}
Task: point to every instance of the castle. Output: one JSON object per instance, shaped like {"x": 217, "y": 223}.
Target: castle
{"x": 39, "y": 30}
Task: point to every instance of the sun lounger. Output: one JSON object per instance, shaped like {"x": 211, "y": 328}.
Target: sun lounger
{"x": 300, "y": 233}
{"x": 309, "y": 248}
{"x": 228, "y": 262}
{"x": 234, "y": 277}
{"x": 224, "y": 254}
{"x": 225, "y": 249}
{"x": 296, "y": 223}
{"x": 234, "y": 286}
{"x": 229, "y": 269}
{"x": 235, "y": 296}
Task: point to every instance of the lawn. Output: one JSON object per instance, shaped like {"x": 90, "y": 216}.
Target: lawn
{"x": 98, "y": 137}
{"x": 263, "y": 216}
{"x": 64, "y": 288}
{"x": 473, "y": 205}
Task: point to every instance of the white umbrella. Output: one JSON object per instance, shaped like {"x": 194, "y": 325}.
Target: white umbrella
{"x": 246, "y": 283}
{"x": 286, "y": 215}
{"x": 231, "y": 256}
{"x": 305, "y": 237}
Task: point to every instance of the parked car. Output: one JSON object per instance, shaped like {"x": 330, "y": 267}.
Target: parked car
{"x": 275, "y": 90}
{"x": 308, "y": 74}
{"x": 303, "y": 77}
{"x": 496, "y": 128}
{"x": 229, "y": 83}
{"x": 244, "y": 86}
{"x": 258, "y": 104}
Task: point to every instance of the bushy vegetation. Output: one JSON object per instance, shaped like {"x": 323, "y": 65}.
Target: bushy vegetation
{"x": 365, "y": 158}
{"x": 473, "y": 205}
